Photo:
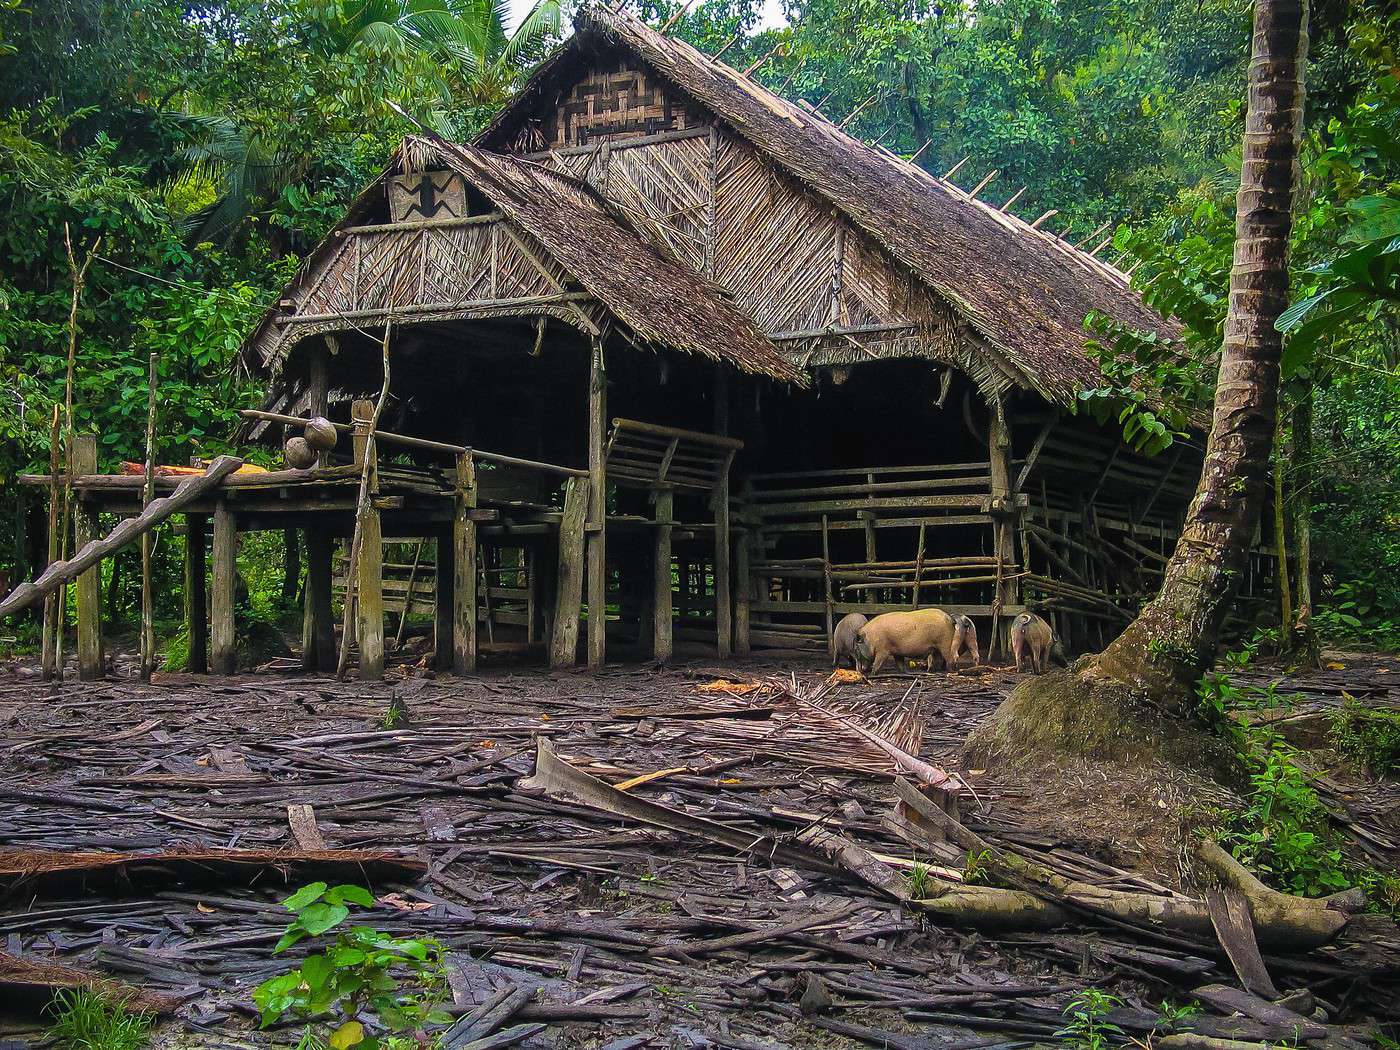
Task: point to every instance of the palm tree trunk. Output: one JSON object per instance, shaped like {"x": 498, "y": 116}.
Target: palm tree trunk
{"x": 1173, "y": 640}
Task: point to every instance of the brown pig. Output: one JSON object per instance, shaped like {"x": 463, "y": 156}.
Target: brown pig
{"x": 843, "y": 639}
{"x": 966, "y": 640}
{"x": 1031, "y": 636}
{"x": 915, "y": 635}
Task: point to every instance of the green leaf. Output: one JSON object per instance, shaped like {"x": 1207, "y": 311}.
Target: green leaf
{"x": 1373, "y": 219}
{"x": 351, "y": 894}
{"x": 316, "y": 971}
{"x": 304, "y": 896}
{"x": 320, "y": 917}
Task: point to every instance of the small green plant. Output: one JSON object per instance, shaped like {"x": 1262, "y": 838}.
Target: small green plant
{"x": 977, "y": 867}
{"x": 1171, "y": 1017}
{"x": 919, "y": 880}
{"x": 396, "y": 714}
{"x": 1367, "y": 736}
{"x": 87, "y": 1019}
{"x": 1087, "y": 1026}
{"x": 363, "y": 976}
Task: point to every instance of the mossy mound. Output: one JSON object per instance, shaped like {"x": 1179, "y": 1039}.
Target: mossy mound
{"x": 1081, "y": 713}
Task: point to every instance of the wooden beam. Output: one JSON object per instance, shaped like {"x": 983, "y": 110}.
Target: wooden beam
{"x": 662, "y": 607}
{"x": 89, "y": 589}
{"x": 597, "y": 508}
{"x": 464, "y": 642}
{"x": 563, "y": 642}
{"x": 318, "y": 388}
{"x": 196, "y": 597}
{"x": 222, "y": 641}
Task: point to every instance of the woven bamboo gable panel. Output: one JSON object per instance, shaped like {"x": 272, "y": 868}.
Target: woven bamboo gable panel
{"x": 613, "y": 102}
{"x": 443, "y": 270}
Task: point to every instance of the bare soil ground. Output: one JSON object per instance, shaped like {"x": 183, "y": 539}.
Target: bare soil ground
{"x": 610, "y": 918}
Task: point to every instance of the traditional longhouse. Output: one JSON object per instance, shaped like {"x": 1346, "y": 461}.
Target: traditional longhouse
{"x": 762, "y": 373}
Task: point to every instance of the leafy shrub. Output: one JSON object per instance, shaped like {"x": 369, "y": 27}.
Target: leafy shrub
{"x": 362, "y": 976}
{"x": 86, "y": 1019}
{"x": 1368, "y": 737}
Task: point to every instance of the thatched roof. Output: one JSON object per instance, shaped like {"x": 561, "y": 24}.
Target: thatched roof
{"x": 1024, "y": 291}
{"x": 658, "y": 301}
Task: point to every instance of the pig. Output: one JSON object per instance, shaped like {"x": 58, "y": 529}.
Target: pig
{"x": 917, "y": 635}
{"x": 966, "y": 641}
{"x": 1031, "y": 636}
{"x": 843, "y": 639}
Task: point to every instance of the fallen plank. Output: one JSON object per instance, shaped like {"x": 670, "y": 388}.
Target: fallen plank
{"x": 31, "y": 983}
{"x": 1229, "y": 913}
{"x": 42, "y": 871}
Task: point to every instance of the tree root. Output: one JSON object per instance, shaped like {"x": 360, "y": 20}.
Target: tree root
{"x": 1035, "y": 896}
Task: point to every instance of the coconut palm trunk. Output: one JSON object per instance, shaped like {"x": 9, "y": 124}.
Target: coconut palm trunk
{"x": 1173, "y": 641}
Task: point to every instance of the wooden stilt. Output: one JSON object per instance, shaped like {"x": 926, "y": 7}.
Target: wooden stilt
{"x": 222, "y": 642}
{"x": 89, "y": 585}
{"x": 534, "y": 594}
{"x": 369, "y": 567}
{"x": 1003, "y": 523}
{"x": 196, "y": 594}
{"x": 563, "y": 642}
{"x": 318, "y": 633}
{"x": 464, "y": 568}
{"x": 724, "y": 609}
{"x": 662, "y": 611}
{"x": 443, "y": 587}
{"x": 743, "y": 593}
{"x": 597, "y": 510}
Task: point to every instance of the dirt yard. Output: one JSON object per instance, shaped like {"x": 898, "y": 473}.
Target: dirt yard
{"x": 628, "y": 929}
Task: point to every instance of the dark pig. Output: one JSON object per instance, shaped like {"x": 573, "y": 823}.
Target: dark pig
{"x": 843, "y": 639}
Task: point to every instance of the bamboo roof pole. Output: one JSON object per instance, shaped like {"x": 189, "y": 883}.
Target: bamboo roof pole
{"x": 857, "y": 111}
{"x": 1094, "y": 234}
{"x": 972, "y": 193}
{"x": 1044, "y": 216}
{"x": 1013, "y": 199}
{"x": 728, "y": 44}
{"x": 920, "y": 151}
{"x": 955, "y": 168}
{"x": 771, "y": 52}
{"x": 680, "y": 13}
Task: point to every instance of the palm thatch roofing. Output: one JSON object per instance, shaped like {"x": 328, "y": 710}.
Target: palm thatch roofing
{"x": 1023, "y": 290}
{"x": 658, "y": 301}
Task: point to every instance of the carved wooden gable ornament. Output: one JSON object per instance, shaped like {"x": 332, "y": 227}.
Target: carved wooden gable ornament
{"x": 427, "y": 195}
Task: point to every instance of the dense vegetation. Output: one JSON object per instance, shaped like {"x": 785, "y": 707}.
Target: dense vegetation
{"x": 207, "y": 145}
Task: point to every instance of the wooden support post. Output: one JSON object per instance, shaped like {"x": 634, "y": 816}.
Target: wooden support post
{"x": 444, "y": 585}
{"x": 563, "y": 641}
{"x": 743, "y": 594}
{"x": 464, "y": 573}
{"x": 318, "y": 385}
{"x": 222, "y": 642}
{"x": 89, "y": 586}
{"x": 318, "y": 625}
{"x": 724, "y": 609}
{"x": 1004, "y": 515}
{"x": 597, "y": 509}
{"x": 534, "y": 593}
{"x": 196, "y": 597}
{"x": 826, "y": 581}
{"x": 369, "y": 574}
{"x": 662, "y": 611}
{"x": 919, "y": 565}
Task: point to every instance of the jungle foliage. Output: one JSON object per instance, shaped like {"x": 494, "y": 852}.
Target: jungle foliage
{"x": 209, "y": 144}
